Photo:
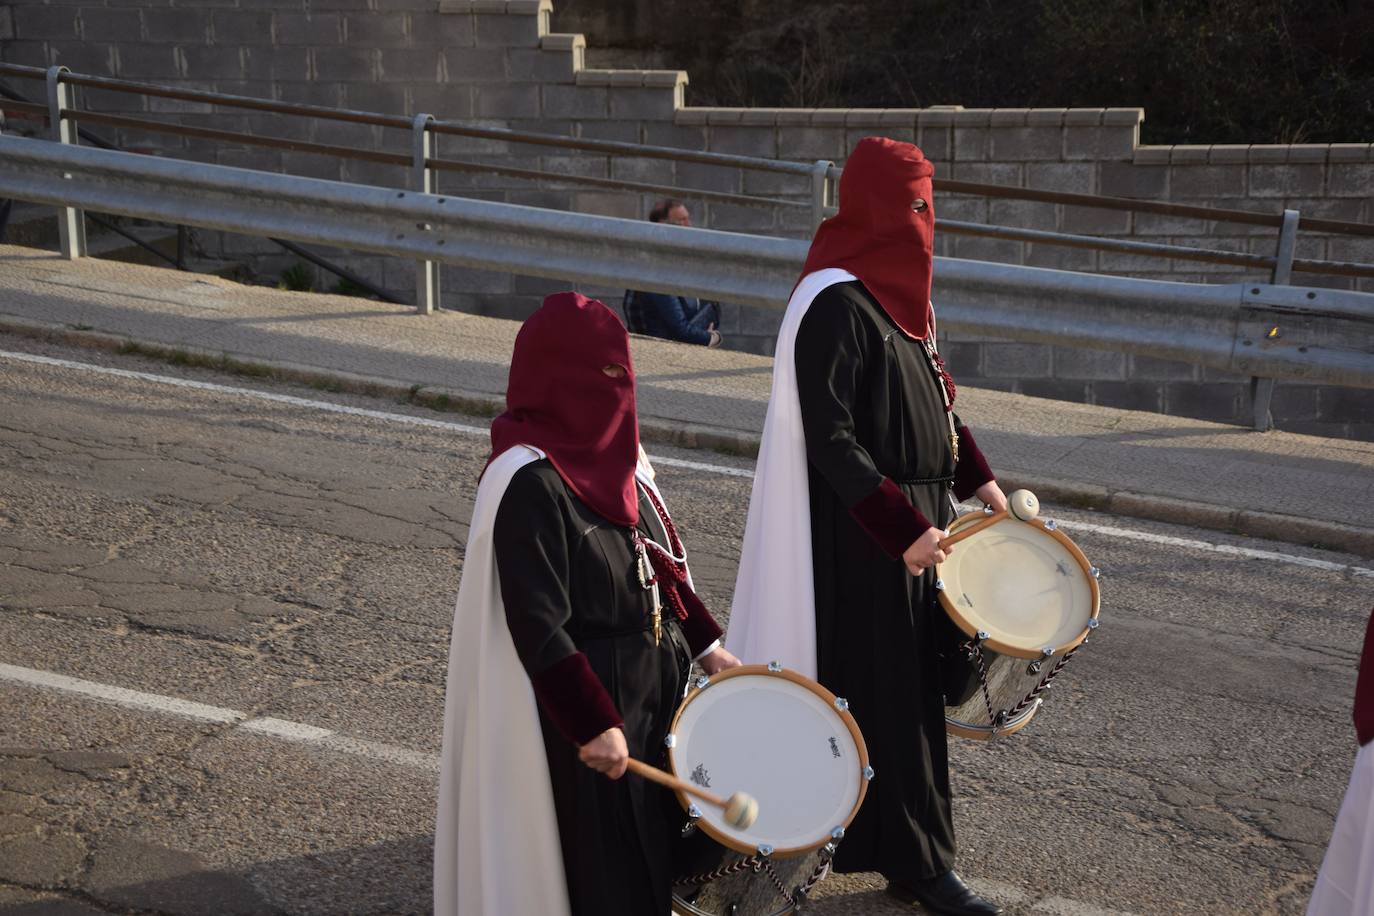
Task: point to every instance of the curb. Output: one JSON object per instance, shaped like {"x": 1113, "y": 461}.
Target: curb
{"x": 1326, "y": 535}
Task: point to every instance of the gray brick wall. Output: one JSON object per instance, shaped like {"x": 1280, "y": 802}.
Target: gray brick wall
{"x": 496, "y": 61}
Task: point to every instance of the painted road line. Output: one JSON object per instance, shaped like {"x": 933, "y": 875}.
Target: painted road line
{"x": 1248, "y": 553}
{"x": 266, "y": 726}
{"x": 700, "y": 466}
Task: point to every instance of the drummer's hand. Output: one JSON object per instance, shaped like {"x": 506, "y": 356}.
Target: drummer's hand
{"x": 717, "y": 660}
{"x": 606, "y": 753}
{"x": 925, "y": 551}
{"x": 992, "y": 494}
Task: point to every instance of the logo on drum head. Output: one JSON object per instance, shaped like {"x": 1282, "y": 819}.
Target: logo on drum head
{"x": 834, "y": 746}
{"x": 701, "y": 777}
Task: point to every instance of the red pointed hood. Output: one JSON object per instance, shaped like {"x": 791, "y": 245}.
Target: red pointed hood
{"x": 560, "y": 401}
{"x": 880, "y": 235}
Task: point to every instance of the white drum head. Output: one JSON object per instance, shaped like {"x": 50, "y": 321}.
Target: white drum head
{"x": 778, "y": 737}
{"x": 1026, "y": 586}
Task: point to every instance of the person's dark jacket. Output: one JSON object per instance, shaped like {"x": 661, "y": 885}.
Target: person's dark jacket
{"x": 662, "y": 315}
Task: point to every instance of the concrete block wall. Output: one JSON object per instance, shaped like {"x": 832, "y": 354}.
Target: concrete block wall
{"x": 495, "y": 62}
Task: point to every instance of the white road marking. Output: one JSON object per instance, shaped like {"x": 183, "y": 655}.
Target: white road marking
{"x": 282, "y": 729}
{"x": 1248, "y": 553}
{"x": 463, "y": 429}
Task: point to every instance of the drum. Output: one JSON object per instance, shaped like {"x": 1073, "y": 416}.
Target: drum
{"x": 793, "y": 746}
{"x": 1025, "y": 599}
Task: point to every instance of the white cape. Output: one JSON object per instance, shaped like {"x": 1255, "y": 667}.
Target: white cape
{"x": 1345, "y": 884}
{"x": 773, "y": 615}
{"x": 496, "y": 846}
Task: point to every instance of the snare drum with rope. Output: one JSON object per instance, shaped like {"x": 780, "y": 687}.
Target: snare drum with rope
{"x": 793, "y": 746}
{"x": 1026, "y": 599}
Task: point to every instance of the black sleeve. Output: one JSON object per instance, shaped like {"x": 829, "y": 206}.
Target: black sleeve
{"x": 830, "y": 352}
{"x": 832, "y": 346}
{"x": 532, "y": 562}
{"x": 533, "y": 559}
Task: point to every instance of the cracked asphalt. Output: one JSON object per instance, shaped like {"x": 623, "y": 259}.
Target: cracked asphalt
{"x": 287, "y": 562}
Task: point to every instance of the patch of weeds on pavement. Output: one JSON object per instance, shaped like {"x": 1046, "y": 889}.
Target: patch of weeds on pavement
{"x": 178, "y": 357}
{"x": 82, "y": 327}
{"x": 297, "y": 278}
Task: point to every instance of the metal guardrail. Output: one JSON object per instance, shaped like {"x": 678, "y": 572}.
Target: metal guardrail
{"x": 822, "y": 174}
{"x": 1267, "y": 330}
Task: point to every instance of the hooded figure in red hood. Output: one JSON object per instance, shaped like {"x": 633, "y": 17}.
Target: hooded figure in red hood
{"x": 861, "y": 453}
{"x": 563, "y": 663}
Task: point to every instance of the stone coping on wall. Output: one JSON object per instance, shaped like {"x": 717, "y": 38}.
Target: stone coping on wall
{"x": 1267, "y": 153}
{"x": 498, "y": 7}
{"x": 641, "y": 78}
{"x": 935, "y": 116}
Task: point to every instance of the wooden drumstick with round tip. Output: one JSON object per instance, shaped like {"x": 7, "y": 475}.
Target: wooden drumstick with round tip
{"x": 740, "y": 809}
{"x": 1021, "y": 504}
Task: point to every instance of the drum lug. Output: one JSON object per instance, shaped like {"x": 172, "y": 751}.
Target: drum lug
{"x": 837, "y": 834}
{"x": 693, "y": 815}
{"x": 1051, "y": 524}
{"x": 765, "y": 850}
{"x": 775, "y": 667}
{"x": 703, "y": 682}
{"x": 939, "y": 585}
{"x": 1092, "y": 623}
{"x": 841, "y": 704}
{"x": 670, "y": 741}
{"x": 1095, "y": 572}
{"x": 868, "y": 774}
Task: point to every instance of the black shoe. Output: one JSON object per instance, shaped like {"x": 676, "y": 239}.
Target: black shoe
{"x": 946, "y": 894}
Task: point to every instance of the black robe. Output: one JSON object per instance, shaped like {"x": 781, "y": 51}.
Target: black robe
{"x": 872, "y": 409}
{"x": 569, "y": 582}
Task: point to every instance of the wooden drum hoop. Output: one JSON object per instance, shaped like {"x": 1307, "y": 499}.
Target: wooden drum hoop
{"x": 971, "y": 628}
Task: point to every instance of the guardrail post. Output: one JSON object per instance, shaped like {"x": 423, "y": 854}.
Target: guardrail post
{"x": 1262, "y": 389}
{"x": 821, "y": 196}
{"x": 423, "y": 180}
{"x": 71, "y": 223}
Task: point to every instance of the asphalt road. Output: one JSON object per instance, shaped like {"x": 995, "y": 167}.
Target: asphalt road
{"x": 293, "y": 569}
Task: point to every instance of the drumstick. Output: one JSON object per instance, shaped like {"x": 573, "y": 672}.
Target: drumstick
{"x": 1021, "y": 504}
{"x": 740, "y": 809}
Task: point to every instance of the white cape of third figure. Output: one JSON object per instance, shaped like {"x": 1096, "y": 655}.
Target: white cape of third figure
{"x": 1345, "y": 884}
{"x": 773, "y": 615}
{"x": 496, "y": 845}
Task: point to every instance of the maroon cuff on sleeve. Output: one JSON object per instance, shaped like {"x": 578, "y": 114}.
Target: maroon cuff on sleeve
{"x": 575, "y": 700}
{"x": 890, "y": 518}
{"x": 700, "y": 628}
{"x": 972, "y": 471}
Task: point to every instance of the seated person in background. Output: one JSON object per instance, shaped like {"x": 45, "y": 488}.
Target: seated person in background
{"x": 672, "y": 317}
